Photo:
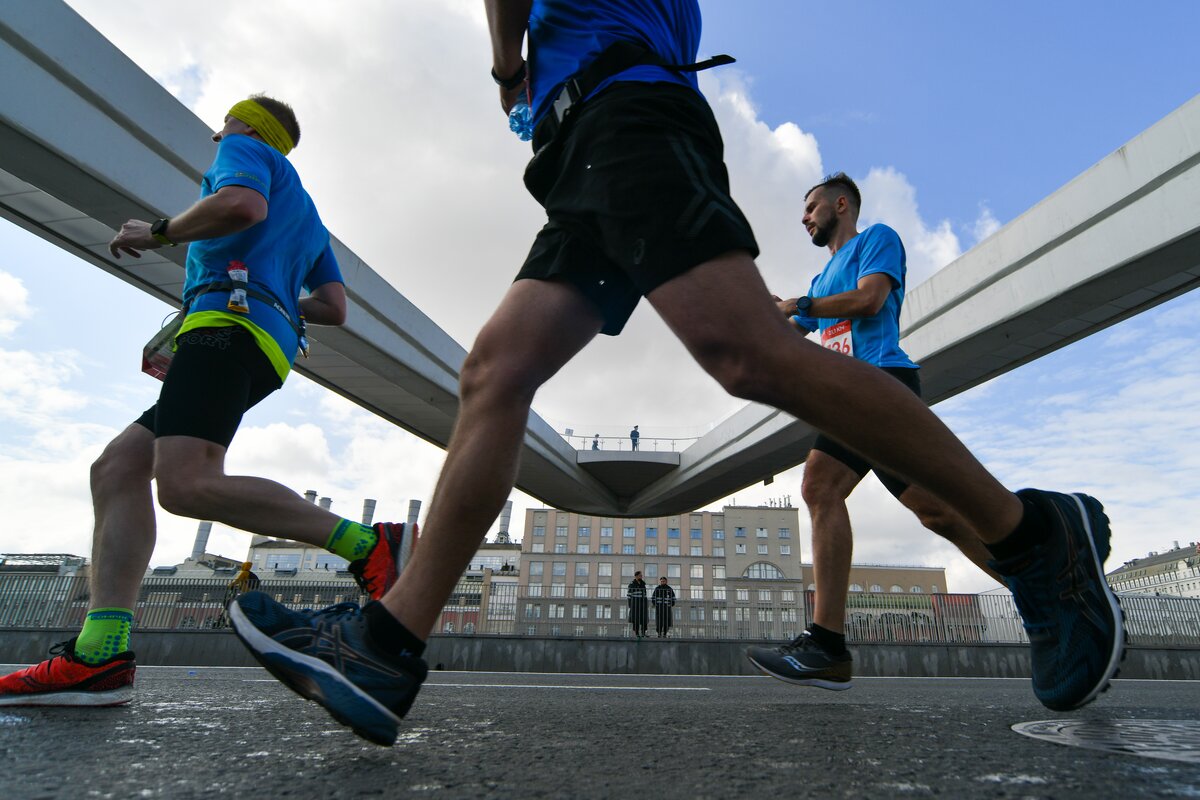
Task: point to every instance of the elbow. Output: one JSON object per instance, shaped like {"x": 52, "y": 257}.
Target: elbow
{"x": 246, "y": 212}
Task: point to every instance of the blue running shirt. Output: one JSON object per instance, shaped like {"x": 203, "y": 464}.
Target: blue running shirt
{"x": 876, "y": 339}
{"x": 287, "y": 251}
{"x": 565, "y": 36}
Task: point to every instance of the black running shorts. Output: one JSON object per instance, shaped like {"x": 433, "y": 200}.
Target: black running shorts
{"x": 216, "y": 376}
{"x": 636, "y": 193}
{"x": 857, "y": 463}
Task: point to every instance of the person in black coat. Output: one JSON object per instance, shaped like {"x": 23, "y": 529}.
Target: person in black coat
{"x": 664, "y": 599}
{"x": 639, "y": 612}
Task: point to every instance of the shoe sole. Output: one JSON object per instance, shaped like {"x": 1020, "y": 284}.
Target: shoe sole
{"x": 1087, "y": 504}
{"x": 820, "y": 683}
{"x": 314, "y": 679}
{"x": 113, "y": 697}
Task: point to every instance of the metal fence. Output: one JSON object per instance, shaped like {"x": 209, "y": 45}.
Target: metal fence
{"x": 762, "y": 612}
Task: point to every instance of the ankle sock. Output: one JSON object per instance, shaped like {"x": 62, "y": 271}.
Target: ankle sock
{"x": 388, "y": 633}
{"x": 830, "y": 641}
{"x": 1031, "y": 531}
{"x": 351, "y": 540}
{"x": 105, "y": 633}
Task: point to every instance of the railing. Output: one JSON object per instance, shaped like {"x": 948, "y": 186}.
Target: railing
{"x": 764, "y": 612}
{"x": 645, "y": 443}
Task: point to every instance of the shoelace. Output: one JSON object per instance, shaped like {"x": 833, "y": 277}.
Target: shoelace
{"x": 798, "y": 643}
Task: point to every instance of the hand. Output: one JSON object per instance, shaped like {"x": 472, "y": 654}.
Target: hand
{"x": 804, "y": 323}
{"x": 510, "y": 97}
{"x": 133, "y": 236}
{"x": 786, "y": 307}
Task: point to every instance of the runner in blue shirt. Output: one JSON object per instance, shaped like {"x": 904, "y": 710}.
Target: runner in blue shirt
{"x": 854, "y": 306}
{"x": 628, "y": 164}
{"x": 257, "y": 242}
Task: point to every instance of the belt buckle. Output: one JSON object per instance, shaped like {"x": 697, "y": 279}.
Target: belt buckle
{"x": 568, "y": 97}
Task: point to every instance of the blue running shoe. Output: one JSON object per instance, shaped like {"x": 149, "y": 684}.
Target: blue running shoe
{"x": 1075, "y": 626}
{"x": 328, "y": 657}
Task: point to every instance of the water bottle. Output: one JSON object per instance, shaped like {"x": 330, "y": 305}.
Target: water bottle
{"x": 520, "y": 121}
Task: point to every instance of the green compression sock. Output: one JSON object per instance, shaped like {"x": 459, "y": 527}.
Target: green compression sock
{"x": 105, "y": 633}
{"x": 351, "y": 540}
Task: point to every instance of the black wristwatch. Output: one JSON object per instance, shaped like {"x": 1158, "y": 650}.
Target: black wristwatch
{"x": 159, "y": 231}
{"x": 512, "y": 82}
{"x": 803, "y": 304}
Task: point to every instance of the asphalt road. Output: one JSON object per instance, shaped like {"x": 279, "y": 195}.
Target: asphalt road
{"x": 208, "y": 731}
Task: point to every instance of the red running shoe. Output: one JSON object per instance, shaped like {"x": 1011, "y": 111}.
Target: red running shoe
{"x": 63, "y": 680}
{"x": 377, "y": 571}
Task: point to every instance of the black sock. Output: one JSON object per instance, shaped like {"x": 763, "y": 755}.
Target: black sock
{"x": 829, "y": 641}
{"x": 387, "y": 632}
{"x": 1031, "y": 531}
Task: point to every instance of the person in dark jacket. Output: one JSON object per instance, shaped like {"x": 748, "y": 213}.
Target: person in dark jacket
{"x": 664, "y": 600}
{"x": 639, "y": 612}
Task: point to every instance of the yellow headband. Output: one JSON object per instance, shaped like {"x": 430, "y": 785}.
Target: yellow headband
{"x": 264, "y": 123}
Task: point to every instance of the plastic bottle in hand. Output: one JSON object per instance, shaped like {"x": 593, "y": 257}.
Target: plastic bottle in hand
{"x": 520, "y": 121}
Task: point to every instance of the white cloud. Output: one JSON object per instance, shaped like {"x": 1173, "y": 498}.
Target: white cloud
{"x": 985, "y": 224}
{"x": 14, "y": 303}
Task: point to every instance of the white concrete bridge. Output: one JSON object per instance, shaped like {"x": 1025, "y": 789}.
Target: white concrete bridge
{"x": 88, "y": 140}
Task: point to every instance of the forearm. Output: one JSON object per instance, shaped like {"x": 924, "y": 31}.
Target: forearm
{"x": 213, "y": 217}
{"x": 507, "y": 22}
{"x": 318, "y": 312}
{"x": 854, "y": 304}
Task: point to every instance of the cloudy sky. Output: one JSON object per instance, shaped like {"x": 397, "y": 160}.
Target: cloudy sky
{"x": 955, "y": 118}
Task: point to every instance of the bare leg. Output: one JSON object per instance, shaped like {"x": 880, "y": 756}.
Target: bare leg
{"x": 949, "y": 524}
{"x": 539, "y": 327}
{"x": 192, "y": 483}
{"x": 123, "y": 538}
{"x": 827, "y": 484}
{"x": 723, "y": 313}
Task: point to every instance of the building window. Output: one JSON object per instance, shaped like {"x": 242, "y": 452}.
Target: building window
{"x": 651, "y": 549}
{"x": 651, "y": 570}
{"x": 606, "y": 531}
{"x": 560, "y": 530}
{"x": 787, "y": 615}
{"x": 627, "y": 549}
{"x": 583, "y": 548}
{"x": 934, "y": 589}
{"x": 535, "y": 590}
{"x": 581, "y": 590}
{"x": 697, "y": 571}
{"x": 557, "y": 611}
{"x": 739, "y": 533}
{"x": 605, "y": 549}
{"x": 762, "y": 549}
{"x": 896, "y": 588}
{"x": 558, "y": 590}
{"x": 603, "y": 591}
{"x": 743, "y": 595}
{"x": 916, "y": 590}
{"x": 764, "y": 595}
{"x": 604, "y": 569}
{"x": 697, "y": 550}
{"x": 696, "y": 533}
{"x": 719, "y": 552}
{"x": 561, "y": 547}
{"x": 718, "y": 533}
{"x": 581, "y": 569}
{"x": 330, "y": 561}
{"x": 537, "y": 569}
{"x": 672, "y": 570}
{"x": 856, "y": 587}
{"x": 785, "y": 533}
{"x": 739, "y": 549}
{"x": 538, "y": 547}
{"x": 785, "y": 549}
{"x": 787, "y": 596}
{"x": 763, "y": 571}
{"x": 672, "y": 549}
{"x": 629, "y": 532}
{"x": 651, "y": 533}
{"x": 718, "y": 593}
{"x": 539, "y": 530}
{"x": 583, "y": 532}
{"x": 278, "y": 561}
{"x": 672, "y": 533}
{"x": 533, "y": 612}
{"x": 696, "y": 613}
{"x": 696, "y": 593}
{"x": 603, "y": 612}
{"x": 719, "y": 571}
{"x": 760, "y": 533}
{"x": 875, "y": 587}
{"x": 558, "y": 568}
{"x": 579, "y": 611}
{"x": 627, "y": 570}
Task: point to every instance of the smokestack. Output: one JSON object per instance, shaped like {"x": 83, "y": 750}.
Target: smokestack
{"x": 202, "y": 532}
{"x": 505, "y": 518}
{"x": 368, "y": 511}
{"x": 414, "y": 510}
{"x": 326, "y": 502}
{"x": 311, "y": 495}
{"x": 410, "y": 541}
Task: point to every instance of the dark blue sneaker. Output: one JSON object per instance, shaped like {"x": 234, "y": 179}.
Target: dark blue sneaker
{"x": 1075, "y": 626}
{"x": 327, "y": 656}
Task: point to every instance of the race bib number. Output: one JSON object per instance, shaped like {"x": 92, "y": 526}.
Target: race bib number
{"x": 837, "y": 338}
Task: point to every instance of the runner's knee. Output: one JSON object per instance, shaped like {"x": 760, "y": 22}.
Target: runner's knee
{"x": 126, "y": 460}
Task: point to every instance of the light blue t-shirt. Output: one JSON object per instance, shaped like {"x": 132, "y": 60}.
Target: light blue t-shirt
{"x": 284, "y": 253}
{"x": 565, "y": 36}
{"x": 877, "y": 249}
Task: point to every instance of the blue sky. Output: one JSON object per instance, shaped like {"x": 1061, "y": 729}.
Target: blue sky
{"x": 955, "y": 117}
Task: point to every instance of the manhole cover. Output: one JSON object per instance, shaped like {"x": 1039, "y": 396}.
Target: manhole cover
{"x": 1174, "y": 739}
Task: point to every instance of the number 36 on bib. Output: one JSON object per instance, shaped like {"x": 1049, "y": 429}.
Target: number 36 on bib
{"x": 837, "y": 338}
